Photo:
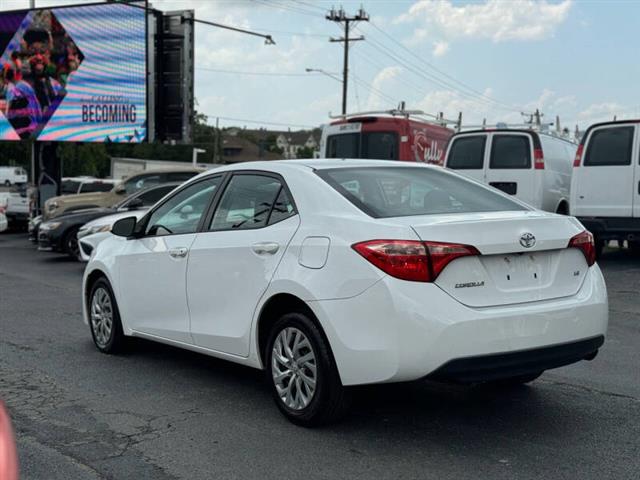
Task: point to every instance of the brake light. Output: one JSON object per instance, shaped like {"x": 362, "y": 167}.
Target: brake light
{"x": 410, "y": 259}
{"x": 538, "y": 159}
{"x": 584, "y": 242}
{"x": 578, "y": 159}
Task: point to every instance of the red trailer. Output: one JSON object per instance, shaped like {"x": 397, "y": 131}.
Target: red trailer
{"x": 391, "y": 135}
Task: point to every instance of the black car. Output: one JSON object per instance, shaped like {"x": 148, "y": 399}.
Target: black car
{"x": 60, "y": 233}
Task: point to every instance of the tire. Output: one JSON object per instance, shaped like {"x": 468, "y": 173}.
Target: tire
{"x": 70, "y": 244}
{"x": 107, "y": 339}
{"x": 517, "y": 380}
{"x": 634, "y": 246}
{"x": 326, "y": 399}
{"x": 7, "y": 183}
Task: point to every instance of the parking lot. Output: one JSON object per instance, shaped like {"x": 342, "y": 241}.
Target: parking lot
{"x": 161, "y": 413}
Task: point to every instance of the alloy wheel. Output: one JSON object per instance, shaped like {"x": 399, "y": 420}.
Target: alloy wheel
{"x": 294, "y": 368}
{"x": 101, "y": 316}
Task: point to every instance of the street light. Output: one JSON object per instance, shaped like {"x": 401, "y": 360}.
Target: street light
{"x": 323, "y": 72}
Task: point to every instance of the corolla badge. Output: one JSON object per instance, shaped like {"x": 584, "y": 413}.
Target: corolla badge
{"x": 527, "y": 240}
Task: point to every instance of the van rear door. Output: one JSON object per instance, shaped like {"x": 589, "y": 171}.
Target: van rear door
{"x": 605, "y": 183}
{"x": 511, "y": 166}
{"x": 466, "y": 153}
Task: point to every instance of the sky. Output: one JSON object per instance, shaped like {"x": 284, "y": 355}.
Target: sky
{"x": 489, "y": 59}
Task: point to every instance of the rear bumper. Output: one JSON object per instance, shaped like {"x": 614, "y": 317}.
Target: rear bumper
{"x": 612, "y": 227}
{"x": 504, "y": 365}
{"x": 402, "y": 331}
{"x": 17, "y": 217}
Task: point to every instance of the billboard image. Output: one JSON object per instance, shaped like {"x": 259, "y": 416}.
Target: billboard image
{"x": 75, "y": 74}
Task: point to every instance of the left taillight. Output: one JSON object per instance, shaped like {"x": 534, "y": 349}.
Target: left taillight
{"x": 584, "y": 242}
{"x": 410, "y": 259}
{"x": 538, "y": 159}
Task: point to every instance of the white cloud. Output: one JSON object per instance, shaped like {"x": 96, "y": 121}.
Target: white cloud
{"x": 494, "y": 19}
{"x": 381, "y": 83}
{"x": 440, "y": 48}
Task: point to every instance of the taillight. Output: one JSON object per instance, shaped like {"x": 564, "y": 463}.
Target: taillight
{"x": 410, "y": 259}
{"x": 8, "y": 455}
{"x": 578, "y": 159}
{"x": 584, "y": 242}
{"x": 538, "y": 159}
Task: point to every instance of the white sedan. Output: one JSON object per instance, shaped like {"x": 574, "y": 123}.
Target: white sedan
{"x": 333, "y": 273}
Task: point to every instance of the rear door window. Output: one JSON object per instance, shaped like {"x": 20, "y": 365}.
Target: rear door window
{"x": 610, "y": 147}
{"x": 467, "y": 153}
{"x": 379, "y": 146}
{"x": 510, "y": 152}
{"x": 345, "y": 145}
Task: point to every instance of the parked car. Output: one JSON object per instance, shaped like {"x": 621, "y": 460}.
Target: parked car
{"x": 58, "y": 205}
{"x": 92, "y": 233}
{"x": 535, "y": 167}
{"x": 331, "y": 273}
{"x": 605, "y": 188}
{"x": 4, "y": 224}
{"x": 12, "y": 175}
{"x": 8, "y": 450}
{"x": 75, "y": 185}
{"x": 61, "y": 233}
{"x": 32, "y": 228}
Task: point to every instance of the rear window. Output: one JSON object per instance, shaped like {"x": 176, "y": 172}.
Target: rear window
{"x": 373, "y": 145}
{"x": 467, "y": 153}
{"x": 95, "y": 187}
{"x": 610, "y": 146}
{"x": 510, "y": 151}
{"x": 397, "y": 192}
{"x": 69, "y": 187}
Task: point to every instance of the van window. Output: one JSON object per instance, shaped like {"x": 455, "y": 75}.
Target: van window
{"x": 344, "y": 145}
{"x": 374, "y": 145}
{"x": 467, "y": 153}
{"x": 610, "y": 146}
{"x": 510, "y": 151}
{"x": 95, "y": 187}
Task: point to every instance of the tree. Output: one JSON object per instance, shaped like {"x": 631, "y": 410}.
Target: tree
{"x": 305, "y": 152}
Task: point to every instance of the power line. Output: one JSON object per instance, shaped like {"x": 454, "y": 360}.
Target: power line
{"x": 259, "y": 122}
{"x": 433, "y": 67}
{"x": 287, "y": 7}
{"x": 267, "y": 38}
{"x": 261, "y": 74}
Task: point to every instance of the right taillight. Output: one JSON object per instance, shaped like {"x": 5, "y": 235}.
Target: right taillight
{"x": 411, "y": 259}
{"x": 584, "y": 242}
{"x": 578, "y": 159}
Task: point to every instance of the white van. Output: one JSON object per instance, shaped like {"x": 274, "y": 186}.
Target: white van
{"x": 605, "y": 188}
{"x": 12, "y": 175}
{"x": 533, "y": 166}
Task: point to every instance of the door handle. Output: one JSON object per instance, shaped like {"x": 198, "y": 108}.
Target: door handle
{"x": 265, "y": 248}
{"x": 179, "y": 252}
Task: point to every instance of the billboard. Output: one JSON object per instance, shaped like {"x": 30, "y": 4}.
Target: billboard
{"x": 74, "y": 74}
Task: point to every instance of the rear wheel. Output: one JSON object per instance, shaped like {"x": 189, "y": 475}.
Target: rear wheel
{"x": 302, "y": 373}
{"x": 104, "y": 318}
{"x": 7, "y": 183}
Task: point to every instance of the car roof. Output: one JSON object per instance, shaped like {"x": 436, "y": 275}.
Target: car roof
{"x": 281, "y": 166}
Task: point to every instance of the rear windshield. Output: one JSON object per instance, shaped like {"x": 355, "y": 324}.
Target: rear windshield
{"x": 95, "y": 187}
{"x": 610, "y": 146}
{"x": 467, "y": 153}
{"x": 510, "y": 151}
{"x": 398, "y": 192}
{"x": 69, "y": 187}
{"x": 373, "y": 145}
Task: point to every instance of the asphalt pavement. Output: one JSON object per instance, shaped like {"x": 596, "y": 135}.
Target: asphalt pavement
{"x": 157, "y": 412}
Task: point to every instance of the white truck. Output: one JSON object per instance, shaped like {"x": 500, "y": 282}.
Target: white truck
{"x": 12, "y": 175}
{"x": 533, "y": 166}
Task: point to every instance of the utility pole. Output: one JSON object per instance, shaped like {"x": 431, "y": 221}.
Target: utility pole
{"x": 339, "y": 16}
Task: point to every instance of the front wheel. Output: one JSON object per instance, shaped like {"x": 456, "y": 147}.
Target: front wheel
{"x": 104, "y": 318}
{"x": 302, "y": 373}
{"x": 71, "y": 245}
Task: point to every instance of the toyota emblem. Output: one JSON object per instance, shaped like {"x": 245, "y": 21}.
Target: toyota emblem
{"x": 527, "y": 240}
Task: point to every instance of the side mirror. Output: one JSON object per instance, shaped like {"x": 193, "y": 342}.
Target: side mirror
{"x": 135, "y": 204}
{"x": 124, "y": 227}
{"x": 120, "y": 189}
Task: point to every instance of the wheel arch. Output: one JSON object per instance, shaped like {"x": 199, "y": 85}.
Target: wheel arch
{"x": 563, "y": 207}
{"x": 276, "y": 306}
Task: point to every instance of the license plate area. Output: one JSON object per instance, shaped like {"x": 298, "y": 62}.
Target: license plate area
{"x": 518, "y": 271}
